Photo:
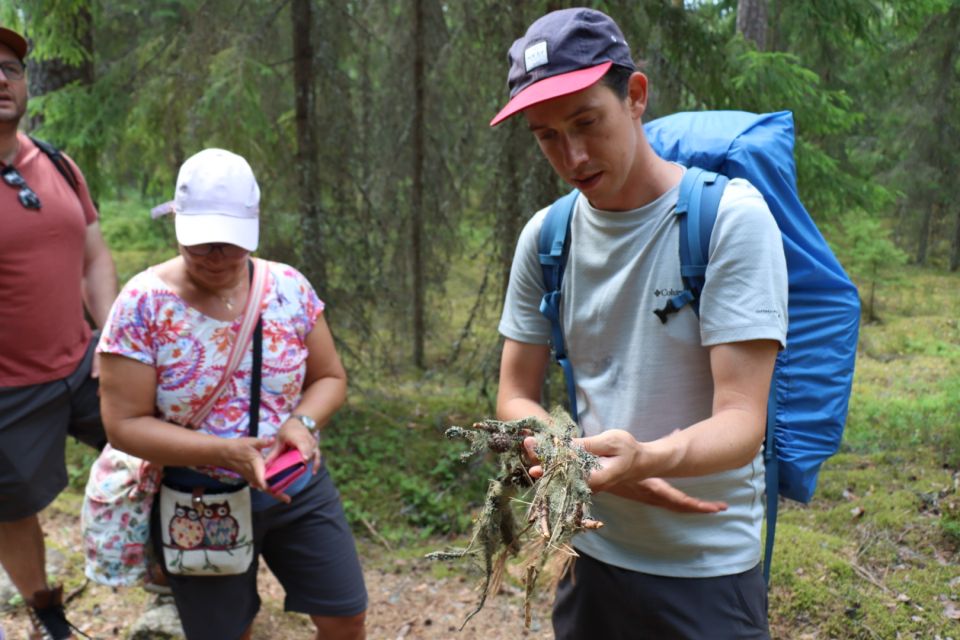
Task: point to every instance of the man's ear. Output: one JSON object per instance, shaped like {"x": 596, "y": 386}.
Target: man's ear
{"x": 637, "y": 94}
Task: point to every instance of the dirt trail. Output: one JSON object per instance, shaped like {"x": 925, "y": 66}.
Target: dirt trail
{"x": 407, "y": 602}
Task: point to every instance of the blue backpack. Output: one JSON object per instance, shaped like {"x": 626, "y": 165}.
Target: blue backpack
{"x": 813, "y": 377}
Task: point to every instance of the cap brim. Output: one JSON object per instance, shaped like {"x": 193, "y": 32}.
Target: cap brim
{"x": 15, "y": 41}
{"x": 203, "y": 228}
{"x": 552, "y": 87}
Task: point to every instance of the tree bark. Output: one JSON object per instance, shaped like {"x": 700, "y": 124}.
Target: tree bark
{"x": 955, "y": 248}
{"x": 46, "y": 76}
{"x": 752, "y": 22}
{"x": 937, "y": 145}
{"x": 416, "y": 195}
{"x": 307, "y": 151}
{"x": 923, "y": 239}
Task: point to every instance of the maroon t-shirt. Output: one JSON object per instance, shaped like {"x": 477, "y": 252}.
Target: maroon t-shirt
{"x": 43, "y": 334}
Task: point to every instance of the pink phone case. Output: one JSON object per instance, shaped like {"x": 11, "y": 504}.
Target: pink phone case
{"x": 286, "y": 468}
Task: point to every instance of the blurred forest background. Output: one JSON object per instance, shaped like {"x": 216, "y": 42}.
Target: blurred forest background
{"x": 366, "y": 124}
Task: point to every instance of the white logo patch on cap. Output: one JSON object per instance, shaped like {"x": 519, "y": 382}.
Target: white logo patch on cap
{"x": 535, "y": 56}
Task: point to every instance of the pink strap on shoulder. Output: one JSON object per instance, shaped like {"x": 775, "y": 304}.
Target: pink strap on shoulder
{"x": 251, "y": 315}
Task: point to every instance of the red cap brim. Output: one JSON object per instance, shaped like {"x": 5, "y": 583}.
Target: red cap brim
{"x": 552, "y": 87}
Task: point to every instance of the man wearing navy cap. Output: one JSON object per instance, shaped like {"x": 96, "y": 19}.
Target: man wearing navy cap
{"x": 686, "y": 400}
{"x": 53, "y": 264}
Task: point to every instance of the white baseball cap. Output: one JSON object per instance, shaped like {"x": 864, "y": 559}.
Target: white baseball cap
{"x": 217, "y": 200}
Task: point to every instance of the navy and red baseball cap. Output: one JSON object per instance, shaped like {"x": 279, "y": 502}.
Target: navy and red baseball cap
{"x": 561, "y": 53}
{"x": 15, "y": 41}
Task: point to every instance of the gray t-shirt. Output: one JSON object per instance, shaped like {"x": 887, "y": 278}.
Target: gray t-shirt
{"x": 633, "y": 372}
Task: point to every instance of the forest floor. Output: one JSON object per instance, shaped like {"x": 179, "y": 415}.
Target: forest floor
{"x": 410, "y": 598}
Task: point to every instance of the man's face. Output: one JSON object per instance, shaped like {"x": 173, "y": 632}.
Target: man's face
{"x": 590, "y": 139}
{"x": 13, "y": 93}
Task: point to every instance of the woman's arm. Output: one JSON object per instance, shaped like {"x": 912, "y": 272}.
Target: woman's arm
{"x": 128, "y": 390}
{"x": 324, "y": 391}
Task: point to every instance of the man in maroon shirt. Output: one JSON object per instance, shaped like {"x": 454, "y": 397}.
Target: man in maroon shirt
{"x": 53, "y": 263}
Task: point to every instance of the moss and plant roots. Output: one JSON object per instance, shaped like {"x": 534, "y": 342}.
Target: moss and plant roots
{"x": 552, "y": 509}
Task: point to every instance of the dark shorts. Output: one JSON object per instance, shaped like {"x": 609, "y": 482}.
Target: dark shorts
{"x": 34, "y": 423}
{"x": 603, "y": 601}
{"x": 308, "y": 547}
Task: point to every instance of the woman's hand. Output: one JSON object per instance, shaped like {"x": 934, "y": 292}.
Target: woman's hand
{"x": 244, "y": 455}
{"x": 293, "y": 435}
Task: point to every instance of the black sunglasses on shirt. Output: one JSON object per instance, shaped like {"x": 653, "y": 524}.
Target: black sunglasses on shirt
{"x": 28, "y": 198}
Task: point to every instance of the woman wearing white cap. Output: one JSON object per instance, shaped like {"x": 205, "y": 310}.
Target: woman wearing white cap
{"x": 183, "y": 388}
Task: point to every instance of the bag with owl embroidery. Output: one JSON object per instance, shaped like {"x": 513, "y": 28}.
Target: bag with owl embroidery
{"x": 206, "y": 533}
{"x": 121, "y": 489}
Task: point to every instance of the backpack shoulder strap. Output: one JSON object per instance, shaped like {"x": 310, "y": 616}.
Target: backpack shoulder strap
{"x": 771, "y": 466}
{"x": 56, "y": 157}
{"x": 697, "y": 206}
{"x": 552, "y": 249}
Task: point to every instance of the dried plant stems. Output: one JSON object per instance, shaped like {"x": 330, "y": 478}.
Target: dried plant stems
{"x": 557, "y": 505}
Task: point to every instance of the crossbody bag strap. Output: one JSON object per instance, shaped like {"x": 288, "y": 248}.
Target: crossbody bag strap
{"x": 251, "y": 321}
{"x": 254, "y": 428}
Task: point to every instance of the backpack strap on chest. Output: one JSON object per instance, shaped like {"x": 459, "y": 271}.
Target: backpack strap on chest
{"x": 697, "y": 204}
{"x": 56, "y": 157}
{"x": 553, "y": 247}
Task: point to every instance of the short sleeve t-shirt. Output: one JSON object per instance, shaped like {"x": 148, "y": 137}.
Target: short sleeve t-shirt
{"x": 632, "y": 372}
{"x": 43, "y": 334}
{"x": 153, "y": 325}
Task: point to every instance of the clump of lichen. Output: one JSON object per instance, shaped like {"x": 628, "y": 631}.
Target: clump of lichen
{"x": 557, "y": 505}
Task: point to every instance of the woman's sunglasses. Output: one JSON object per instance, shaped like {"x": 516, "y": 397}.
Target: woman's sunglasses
{"x": 226, "y": 250}
{"x": 28, "y": 198}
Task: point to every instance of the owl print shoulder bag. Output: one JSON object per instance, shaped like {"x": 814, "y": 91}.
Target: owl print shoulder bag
{"x": 209, "y": 531}
{"x": 119, "y": 499}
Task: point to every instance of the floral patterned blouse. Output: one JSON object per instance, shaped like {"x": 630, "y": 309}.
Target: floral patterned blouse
{"x": 153, "y": 325}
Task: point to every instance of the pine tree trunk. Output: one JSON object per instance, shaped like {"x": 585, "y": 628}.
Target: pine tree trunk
{"x": 307, "y": 151}
{"x": 955, "y": 248}
{"x": 416, "y": 196}
{"x": 47, "y": 76}
{"x": 752, "y": 22}
{"x": 923, "y": 239}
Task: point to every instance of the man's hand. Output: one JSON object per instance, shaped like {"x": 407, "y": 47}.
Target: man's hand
{"x": 617, "y": 450}
{"x": 657, "y": 492}
{"x": 619, "y": 455}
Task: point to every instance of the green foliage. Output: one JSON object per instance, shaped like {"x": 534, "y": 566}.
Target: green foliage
{"x": 869, "y": 82}
{"x": 863, "y": 244}
{"x": 136, "y": 240}
{"x": 773, "y": 81}
{"x": 52, "y": 25}
{"x": 397, "y": 473}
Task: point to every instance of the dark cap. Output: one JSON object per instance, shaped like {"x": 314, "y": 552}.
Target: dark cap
{"x": 15, "y": 41}
{"x": 561, "y": 53}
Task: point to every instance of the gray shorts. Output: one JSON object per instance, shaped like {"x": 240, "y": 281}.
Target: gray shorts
{"x": 603, "y": 601}
{"x": 308, "y": 547}
{"x": 34, "y": 423}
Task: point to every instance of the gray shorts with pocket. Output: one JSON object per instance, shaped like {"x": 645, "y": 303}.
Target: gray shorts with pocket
{"x": 603, "y": 601}
{"x": 34, "y": 423}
